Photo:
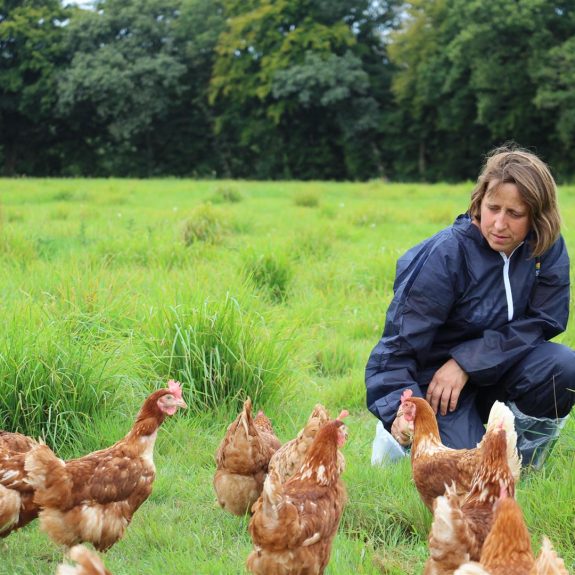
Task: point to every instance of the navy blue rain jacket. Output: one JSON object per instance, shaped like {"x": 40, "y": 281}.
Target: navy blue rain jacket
{"x": 455, "y": 297}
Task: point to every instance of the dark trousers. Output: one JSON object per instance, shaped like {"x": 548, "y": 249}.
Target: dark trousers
{"x": 541, "y": 385}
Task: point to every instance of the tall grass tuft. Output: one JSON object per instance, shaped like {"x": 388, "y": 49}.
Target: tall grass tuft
{"x": 306, "y": 199}
{"x": 316, "y": 244}
{"x": 71, "y": 196}
{"x": 337, "y": 358}
{"x": 51, "y": 383}
{"x": 226, "y": 194}
{"x": 205, "y": 224}
{"x": 16, "y": 249}
{"x": 223, "y": 353}
{"x": 271, "y": 273}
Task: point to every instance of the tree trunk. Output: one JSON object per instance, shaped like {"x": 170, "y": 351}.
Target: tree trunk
{"x": 220, "y": 146}
{"x": 422, "y": 166}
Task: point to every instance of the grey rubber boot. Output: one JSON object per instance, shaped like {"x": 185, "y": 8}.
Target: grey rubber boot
{"x": 536, "y": 436}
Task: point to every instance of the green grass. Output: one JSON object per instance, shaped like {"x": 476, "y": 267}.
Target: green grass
{"x": 276, "y": 290}
{"x": 223, "y": 352}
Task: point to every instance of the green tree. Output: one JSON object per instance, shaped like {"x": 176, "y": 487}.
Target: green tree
{"x": 124, "y": 76}
{"x": 472, "y": 74}
{"x": 420, "y": 68}
{"x": 438, "y": 105}
{"x": 199, "y": 26}
{"x": 492, "y": 50}
{"x": 556, "y": 89}
{"x": 553, "y": 70}
{"x": 31, "y": 50}
{"x": 290, "y": 84}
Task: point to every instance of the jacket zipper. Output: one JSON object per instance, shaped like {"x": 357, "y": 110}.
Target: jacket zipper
{"x": 507, "y": 283}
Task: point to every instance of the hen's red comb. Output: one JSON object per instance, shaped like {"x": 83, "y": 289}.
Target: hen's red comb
{"x": 406, "y": 395}
{"x": 175, "y": 388}
{"x": 344, "y": 413}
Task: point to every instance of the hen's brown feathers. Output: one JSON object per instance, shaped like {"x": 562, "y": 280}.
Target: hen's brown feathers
{"x": 548, "y": 562}
{"x": 93, "y": 498}
{"x": 449, "y": 536}
{"x": 17, "y": 507}
{"x": 289, "y": 457}
{"x": 294, "y": 523}
{"x": 15, "y": 442}
{"x": 507, "y": 548}
{"x": 87, "y": 563}
{"x": 434, "y": 465}
{"x": 462, "y": 522}
{"x": 242, "y": 460}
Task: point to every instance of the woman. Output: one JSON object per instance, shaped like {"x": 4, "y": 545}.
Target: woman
{"x": 473, "y": 312}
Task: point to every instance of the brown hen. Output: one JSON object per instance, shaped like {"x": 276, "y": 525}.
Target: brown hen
{"x": 289, "y": 457}
{"x": 87, "y": 563}
{"x": 242, "y": 460}
{"x": 434, "y": 465}
{"x": 294, "y": 523}
{"x": 462, "y": 522}
{"x": 93, "y": 498}
{"x": 17, "y": 507}
{"x": 507, "y": 548}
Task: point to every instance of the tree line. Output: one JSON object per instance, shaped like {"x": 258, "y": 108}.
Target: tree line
{"x": 284, "y": 89}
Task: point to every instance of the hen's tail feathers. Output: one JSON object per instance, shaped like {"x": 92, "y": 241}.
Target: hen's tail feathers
{"x": 320, "y": 412}
{"x": 501, "y": 416}
{"x": 272, "y": 493}
{"x": 246, "y": 416}
{"x": 548, "y": 562}
{"x": 48, "y": 476}
{"x": 471, "y": 569}
{"x": 448, "y": 540}
{"x": 88, "y": 563}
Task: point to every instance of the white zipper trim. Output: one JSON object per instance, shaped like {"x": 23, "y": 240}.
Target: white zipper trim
{"x": 507, "y": 283}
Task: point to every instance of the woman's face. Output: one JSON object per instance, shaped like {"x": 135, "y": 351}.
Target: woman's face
{"x": 504, "y": 217}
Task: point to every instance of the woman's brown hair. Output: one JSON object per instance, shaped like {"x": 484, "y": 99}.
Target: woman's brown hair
{"x": 510, "y": 165}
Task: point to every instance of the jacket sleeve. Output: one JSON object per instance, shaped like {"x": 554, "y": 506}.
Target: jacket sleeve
{"x": 412, "y": 319}
{"x": 486, "y": 359}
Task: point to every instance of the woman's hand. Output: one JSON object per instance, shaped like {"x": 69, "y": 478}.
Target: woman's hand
{"x": 401, "y": 429}
{"x": 445, "y": 387}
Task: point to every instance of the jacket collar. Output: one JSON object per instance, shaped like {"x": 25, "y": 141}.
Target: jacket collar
{"x": 464, "y": 226}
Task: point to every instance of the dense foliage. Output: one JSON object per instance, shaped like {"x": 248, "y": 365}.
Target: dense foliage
{"x": 283, "y": 89}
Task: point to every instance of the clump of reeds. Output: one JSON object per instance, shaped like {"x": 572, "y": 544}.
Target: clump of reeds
{"x": 226, "y": 194}
{"x": 306, "y": 199}
{"x": 271, "y": 273}
{"x": 51, "y": 383}
{"x": 205, "y": 224}
{"x": 335, "y": 360}
{"x": 223, "y": 352}
{"x": 313, "y": 244}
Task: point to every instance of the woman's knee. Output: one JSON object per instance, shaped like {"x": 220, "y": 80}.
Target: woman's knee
{"x": 546, "y": 387}
{"x": 564, "y": 384}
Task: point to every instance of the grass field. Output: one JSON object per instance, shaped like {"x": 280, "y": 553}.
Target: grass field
{"x": 277, "y": 290}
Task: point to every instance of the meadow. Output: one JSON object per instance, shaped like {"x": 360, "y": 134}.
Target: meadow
{"x": 108, "y": 288}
